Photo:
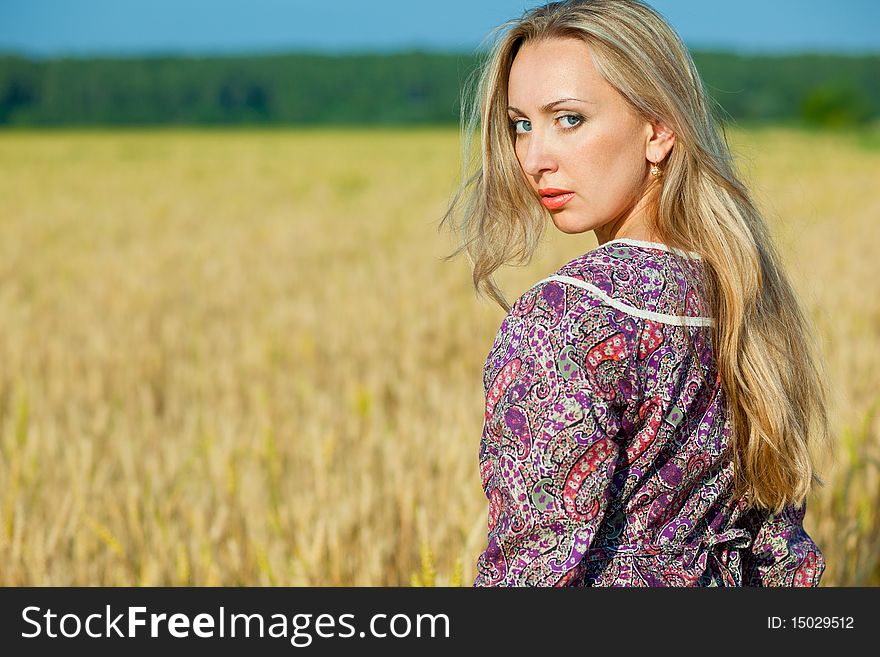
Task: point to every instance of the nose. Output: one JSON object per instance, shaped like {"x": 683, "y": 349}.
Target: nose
{"x": 537, "y": 157}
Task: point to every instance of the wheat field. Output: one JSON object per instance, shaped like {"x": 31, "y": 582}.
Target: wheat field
{"x": 238, "y": 358}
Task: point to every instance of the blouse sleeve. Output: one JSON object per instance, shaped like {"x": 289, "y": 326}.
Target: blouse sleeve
{"x": 782, "y": 553}
{"x": 550, "y": 449}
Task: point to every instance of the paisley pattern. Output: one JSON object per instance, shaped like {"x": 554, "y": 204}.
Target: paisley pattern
{"x": 604, "y": 448}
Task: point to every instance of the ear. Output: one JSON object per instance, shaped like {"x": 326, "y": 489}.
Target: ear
{"x": 660, "y": 141}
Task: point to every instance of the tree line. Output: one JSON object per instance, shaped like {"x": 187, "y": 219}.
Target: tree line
{"x": 384, "y": 89}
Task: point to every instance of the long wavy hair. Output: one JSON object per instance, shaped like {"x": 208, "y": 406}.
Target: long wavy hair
{"x": 766, "y": 356}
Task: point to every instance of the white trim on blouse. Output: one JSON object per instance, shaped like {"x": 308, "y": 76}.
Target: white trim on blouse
{"x": 662, "y": 318}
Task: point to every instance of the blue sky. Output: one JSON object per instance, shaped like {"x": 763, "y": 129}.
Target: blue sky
{"x": 81, "y": 27}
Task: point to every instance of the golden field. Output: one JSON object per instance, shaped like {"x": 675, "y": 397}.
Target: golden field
{"x": 237, "y": 358}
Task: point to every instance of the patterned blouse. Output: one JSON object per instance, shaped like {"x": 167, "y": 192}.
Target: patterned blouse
{"x": 603, "y": 449}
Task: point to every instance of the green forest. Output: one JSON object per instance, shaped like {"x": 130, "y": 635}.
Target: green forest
{"x": 382, "y": 89}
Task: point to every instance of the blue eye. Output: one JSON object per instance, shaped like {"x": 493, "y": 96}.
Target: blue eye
{"x": 571, "y": 116}
{"x": 526, "y": 127}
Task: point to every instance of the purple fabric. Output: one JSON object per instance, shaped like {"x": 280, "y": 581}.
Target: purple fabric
{"x": 604, "y": 448}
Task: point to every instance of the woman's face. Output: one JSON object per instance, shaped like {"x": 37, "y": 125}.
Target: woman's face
{"x": 575, "y": 132}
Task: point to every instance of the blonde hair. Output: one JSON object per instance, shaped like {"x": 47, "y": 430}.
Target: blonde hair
{"x": 766, "y": 359}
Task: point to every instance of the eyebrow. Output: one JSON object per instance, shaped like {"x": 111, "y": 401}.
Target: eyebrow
{"x": 549, "y": 106}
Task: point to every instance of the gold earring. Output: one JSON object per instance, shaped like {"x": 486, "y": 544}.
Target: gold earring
{"x": 655, "y": 170}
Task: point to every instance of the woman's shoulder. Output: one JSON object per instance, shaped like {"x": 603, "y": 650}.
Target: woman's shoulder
{"x": 647, "y": 280}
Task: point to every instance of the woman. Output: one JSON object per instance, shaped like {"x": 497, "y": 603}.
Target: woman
{"x": 650, "y": 407}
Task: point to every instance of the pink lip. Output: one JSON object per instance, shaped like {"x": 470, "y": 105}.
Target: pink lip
{"x": 556, "y": 202}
